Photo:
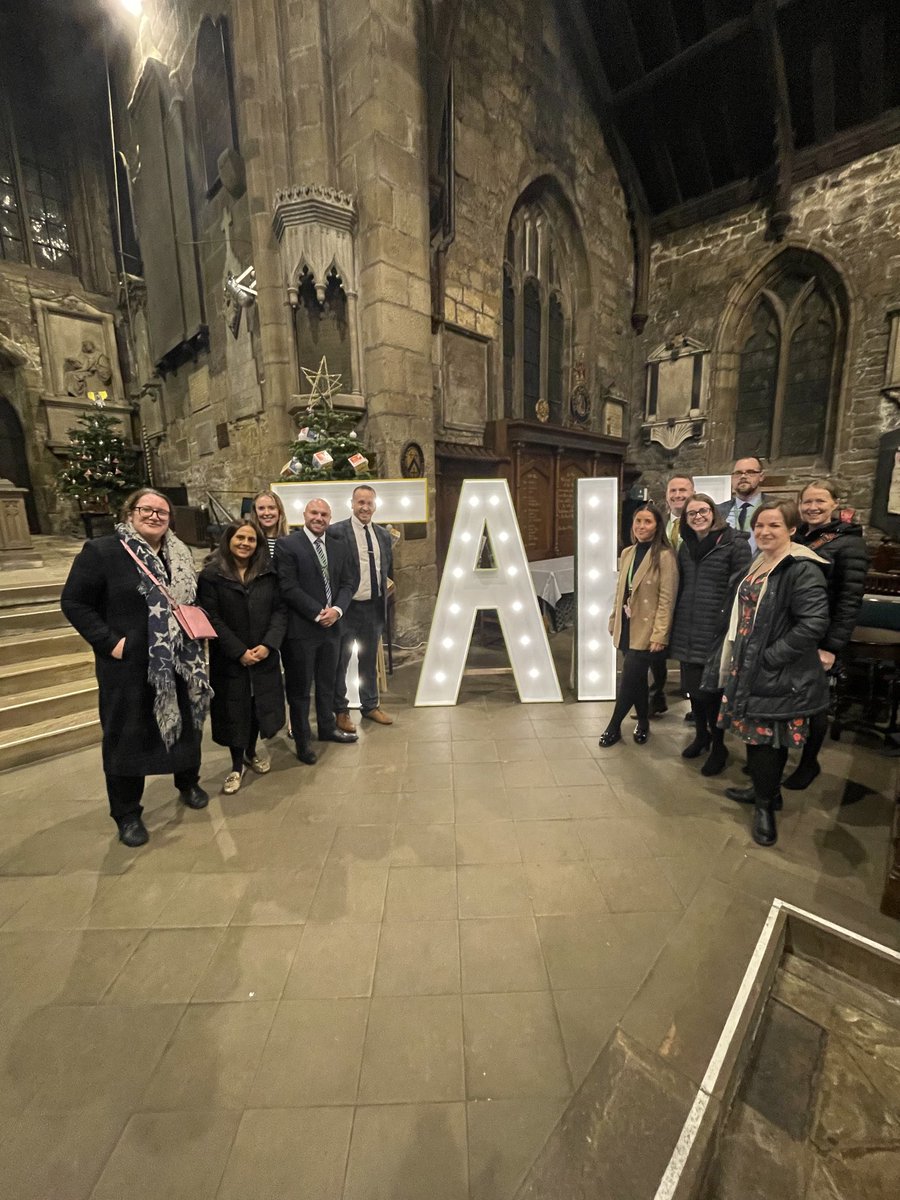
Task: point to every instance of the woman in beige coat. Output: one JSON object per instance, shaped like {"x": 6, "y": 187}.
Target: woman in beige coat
{"x": 641, "y": 617}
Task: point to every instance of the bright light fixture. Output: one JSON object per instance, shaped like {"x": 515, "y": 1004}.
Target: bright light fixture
{"x": 596, "y": 518}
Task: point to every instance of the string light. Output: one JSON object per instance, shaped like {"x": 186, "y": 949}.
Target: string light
{"x": 596, "y": 517}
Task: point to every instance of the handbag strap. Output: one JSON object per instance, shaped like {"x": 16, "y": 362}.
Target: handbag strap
{"x": 147, "y": 571}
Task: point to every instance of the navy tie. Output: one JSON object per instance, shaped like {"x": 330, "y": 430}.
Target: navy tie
{"x": 373, "y": 573}
{"x": 323, "y": 563}
{"x": 742, "y": 519}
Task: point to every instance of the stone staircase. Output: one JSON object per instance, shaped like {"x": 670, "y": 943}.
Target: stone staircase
{"x": 48, "y": 693}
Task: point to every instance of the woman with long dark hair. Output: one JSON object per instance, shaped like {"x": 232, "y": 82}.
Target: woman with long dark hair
{"x": 269, "y": 518}
{"x": 712, "y": 560}
{"x": 641, "y": 618}
{"x": 153, "y": 685}
{"x": 772, "y": 675}
{"x": 239, "y": 590}
{"x": 842, "y": 544}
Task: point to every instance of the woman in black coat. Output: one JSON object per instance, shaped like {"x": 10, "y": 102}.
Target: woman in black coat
{"x": 842, "y": 544}
{"x": 153, "y": 685}
{"x": 712, "y": 560}
{"x": 239, "y": 590}
{"x": 772, "y": 675}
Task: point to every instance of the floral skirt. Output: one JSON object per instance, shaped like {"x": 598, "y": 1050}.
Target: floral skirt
{"x": 761, "y": 733}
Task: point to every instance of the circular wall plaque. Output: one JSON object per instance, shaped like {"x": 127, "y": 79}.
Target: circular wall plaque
{"x": 412, "y": 461}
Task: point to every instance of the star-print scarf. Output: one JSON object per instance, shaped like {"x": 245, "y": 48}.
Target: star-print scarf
{"x": 171, "y": 652}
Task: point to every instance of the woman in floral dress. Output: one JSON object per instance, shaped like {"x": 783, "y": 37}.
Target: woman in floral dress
{"x": 770, "y": 668}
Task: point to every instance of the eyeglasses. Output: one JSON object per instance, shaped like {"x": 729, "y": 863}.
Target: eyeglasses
{"x": 144, "y": 511}
{"x": 697, "y": 512}
{"x": 738, "y": 474}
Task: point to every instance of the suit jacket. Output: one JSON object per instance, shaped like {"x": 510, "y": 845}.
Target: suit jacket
{"x": 725, "y": 508}
{"x": 344, "y": 531}
{"x": 653, "y": 592}
{"x": 302, "y": 585}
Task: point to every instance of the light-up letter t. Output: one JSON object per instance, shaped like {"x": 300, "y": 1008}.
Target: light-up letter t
{"x": 596, "y": 517}
{"x": 486, "y": 512}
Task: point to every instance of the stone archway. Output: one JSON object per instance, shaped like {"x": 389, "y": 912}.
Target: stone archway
{"x": 14, "y": 459}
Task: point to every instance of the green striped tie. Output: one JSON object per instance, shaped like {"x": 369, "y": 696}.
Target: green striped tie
{"x": 323, "y": 563}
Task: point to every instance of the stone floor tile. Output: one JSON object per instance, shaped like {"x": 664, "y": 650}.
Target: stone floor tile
{"x": 55, "y": 902}
{"x": 428, "y": 776}
{"x": 424, "y": 846}
{"x": 132, "y": 901}
{"x": 539, "y": 804}
{"x": 505, "y": 1137}
{"x": 497, "y": 1027}
{"x": 288, "y": 1154}
{"x": 685, "y": 873}
{"x": 49, "y": 1155}
{"x": 501, "y": 954}
{"x": 528, "y": 774}
{"x": 169, "y": 1156}
{"x": 334, "y": 959}
{"x": 165, "y": 967}
{"x": 587, "y": 1018}
{"x": 313, "y": 1054}
{"x": 365, "y": 808}
{"x": 350, "y": 893}
{"x": 263, "y": 850}
{"x": 426, "y": 808}
{"x": 483, "y": 776}
{"x": 421, "y": 894}
{"x": 557, "y": 888}
{"x": 475, "y": 805}
{"x": 519, "y": 749}
{"x": 407, "y": 1152}
{"x": 15, "y": 892}
{"x": 564, "y": 749}
{"x": 94, "y": 961}
{"x": 577, "y": 772}
{"x": 613, "y": 837}
{"x": 493, "y": 891}
{"x": 430, "y": 752}
{"x": 635, "y": 887}
{"x": 417, "y": 958}
{"x": 475, "y": 750}
{"x": 250, "y": 963}
{"x": 413, "y": 1051}
{"x": 487, "y": 842}
{"x": 386, "y": 777}
{"x": 203, "y": 900}
{"x": 548, "y": 842}
{"x": 276, "y": 897}
{"x": 212, "y": 1058}
{"x": 390, "y": 750}
{"x": 577, "y": 949}
{"x": 363, "y": 844}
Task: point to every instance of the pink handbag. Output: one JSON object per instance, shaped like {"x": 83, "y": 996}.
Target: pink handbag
{"x": 192, "y": 619}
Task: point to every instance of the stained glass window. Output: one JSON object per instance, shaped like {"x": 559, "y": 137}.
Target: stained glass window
{"x": 756, "y": 386}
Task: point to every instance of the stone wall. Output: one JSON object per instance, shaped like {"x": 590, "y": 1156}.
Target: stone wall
{"x": 852, "y": 218}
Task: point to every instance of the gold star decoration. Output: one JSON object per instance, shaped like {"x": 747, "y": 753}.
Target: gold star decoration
{"x": 322, "y": 385}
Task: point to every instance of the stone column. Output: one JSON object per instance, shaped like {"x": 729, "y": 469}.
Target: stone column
{"x": 377, "y": 57}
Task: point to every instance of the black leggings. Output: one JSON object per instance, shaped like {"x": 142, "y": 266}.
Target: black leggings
{"x": 766, "y": 765}
{"x": 633, "y": 691}
{"x": 704, "y": 705}
{"x": 238, "y": 752}
{"x": 818, "y": 728}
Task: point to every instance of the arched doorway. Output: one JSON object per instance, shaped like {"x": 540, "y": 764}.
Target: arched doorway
{"x": 13, "y": 459}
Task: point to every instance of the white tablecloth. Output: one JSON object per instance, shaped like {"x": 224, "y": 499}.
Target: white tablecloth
{"x": 552, "y": 578}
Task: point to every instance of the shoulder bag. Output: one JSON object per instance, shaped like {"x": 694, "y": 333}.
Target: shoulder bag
{"x": 192, "y": 619}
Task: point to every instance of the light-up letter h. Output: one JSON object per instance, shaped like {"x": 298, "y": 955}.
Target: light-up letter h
{"x": 486, "y": 511}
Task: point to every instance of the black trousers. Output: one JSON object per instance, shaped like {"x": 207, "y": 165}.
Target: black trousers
{"x": 658, "y": 674}
{"x": 125, "y": 792}
{"x": 363, "y": 623}
{"x": 766, "y": 765}
{"x": 307, "y": 662}
{"x": 632, "y": 690}
{"x": 238, "y": 753}
{"x": 704, "y": 705}
{"x": 818, "y": 728}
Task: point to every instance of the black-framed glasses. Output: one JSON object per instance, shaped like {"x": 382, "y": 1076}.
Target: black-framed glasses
{"x": 738, "y": 474}
{"x": 146, "y": 512}
{"x": 698, "y": 512}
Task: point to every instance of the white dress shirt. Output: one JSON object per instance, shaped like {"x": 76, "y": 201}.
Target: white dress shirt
{"x": 364, "y": 591}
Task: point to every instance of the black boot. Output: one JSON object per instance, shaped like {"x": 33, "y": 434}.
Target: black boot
{"x": 764, "y": 831}
{"x": 800, "y": 779}
{"x": 718, "y": 757}
{"x": 698, "y": 746}
{"x": 748, "y": 796}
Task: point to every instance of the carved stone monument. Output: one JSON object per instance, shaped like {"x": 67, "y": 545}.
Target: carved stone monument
{"x": 676, "y": 394}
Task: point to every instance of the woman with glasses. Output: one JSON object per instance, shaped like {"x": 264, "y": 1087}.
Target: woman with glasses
{"x": 712, "y": 559}
{"x": 842, "y": 544}
{"x": 239, "y": 590}
{"x": 152, "y": 679}
{"x": 641, "y": 617}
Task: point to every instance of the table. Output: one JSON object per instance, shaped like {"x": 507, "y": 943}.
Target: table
{"x": 553, "y": 578}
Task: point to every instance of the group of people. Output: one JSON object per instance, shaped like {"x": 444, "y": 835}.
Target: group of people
{"x": 755, "y": 598}
{"x": 285, "y": 611}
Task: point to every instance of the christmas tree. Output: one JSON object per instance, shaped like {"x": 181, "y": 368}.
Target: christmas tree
{"x": 100, "y": 467}
{"x": 327, "y": 446}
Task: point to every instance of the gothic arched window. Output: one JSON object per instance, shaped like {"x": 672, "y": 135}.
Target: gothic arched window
{"x": 213, "y": 100}
{"x": 790, "y": 358}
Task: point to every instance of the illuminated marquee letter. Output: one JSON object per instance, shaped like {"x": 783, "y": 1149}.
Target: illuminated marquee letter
{"x": 486, "y": 509}
{"x": 596, "y": 516}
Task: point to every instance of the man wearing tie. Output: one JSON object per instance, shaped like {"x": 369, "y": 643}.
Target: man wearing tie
{"x": 317, "y": 579}
{"x": 746, "y": 480}
{"x": 370, "y": 547}
{"x": 679, "y": 490}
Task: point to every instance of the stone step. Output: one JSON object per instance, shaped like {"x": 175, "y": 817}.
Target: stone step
{"x": 47, "y": 592}
{"x": 31, "y": 617}
{"x": 44, "y": 672}
{"x": 46, "y": 704}
{"x": 34, "y": 743}
{"x": 25, "y": 648}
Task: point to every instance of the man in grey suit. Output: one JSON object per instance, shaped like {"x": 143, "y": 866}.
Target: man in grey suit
{"x": 747, "y": 479}
{"x": 370, "y": 548}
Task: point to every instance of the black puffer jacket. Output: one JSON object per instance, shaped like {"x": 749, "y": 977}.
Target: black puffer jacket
{"x": 710, "y": 571}
{"x": 844, "y": 547}
{"x": 781, "y": 675}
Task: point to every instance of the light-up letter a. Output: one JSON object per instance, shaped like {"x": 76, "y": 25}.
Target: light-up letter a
{"x": 486, "y": 510}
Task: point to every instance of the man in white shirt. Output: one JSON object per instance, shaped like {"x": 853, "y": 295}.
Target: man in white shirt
{"x": 371, "y": 550}
{"x": 747, "y": 479}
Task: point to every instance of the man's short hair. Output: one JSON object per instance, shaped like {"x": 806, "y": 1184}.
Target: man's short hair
{"x": 756, "y": 457}
{"x": 363, "y": 487}
{"x": 680, "y": 475}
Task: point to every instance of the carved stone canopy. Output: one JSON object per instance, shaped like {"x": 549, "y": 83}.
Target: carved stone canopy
{"x": 314, "y": 227}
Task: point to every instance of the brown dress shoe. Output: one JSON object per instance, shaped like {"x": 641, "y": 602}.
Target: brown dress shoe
{"x": 379, "y": 717}
{"x": 344, "y": 724}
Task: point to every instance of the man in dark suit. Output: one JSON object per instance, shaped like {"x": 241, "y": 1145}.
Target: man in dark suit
{"x": 317, "y": 579}
{"x": 747, "y": 479}
{"x": 370, "y": 547}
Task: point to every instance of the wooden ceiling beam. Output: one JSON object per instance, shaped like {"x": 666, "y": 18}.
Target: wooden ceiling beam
{"x": 765, "y": 20}
{"x": 706, "y": 45}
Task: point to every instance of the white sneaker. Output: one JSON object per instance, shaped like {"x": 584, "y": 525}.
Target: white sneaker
{"x": 258, "y": 764}
{"x": 232, "y": 783}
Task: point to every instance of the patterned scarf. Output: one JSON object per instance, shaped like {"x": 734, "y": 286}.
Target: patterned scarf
{"x": 171, "y": 652}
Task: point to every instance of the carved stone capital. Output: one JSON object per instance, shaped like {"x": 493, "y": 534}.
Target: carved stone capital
{"x": 314, "y": 227}
{"x": 670, "y": 434}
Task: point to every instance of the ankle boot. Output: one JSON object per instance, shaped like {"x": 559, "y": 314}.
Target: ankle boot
{"x": 802, "y": 777}
{"x": 718, "y": 757}
{"x": 748, "y": 796}
{"x": 764, "y": 831}
{"x": 698, "y": 746}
